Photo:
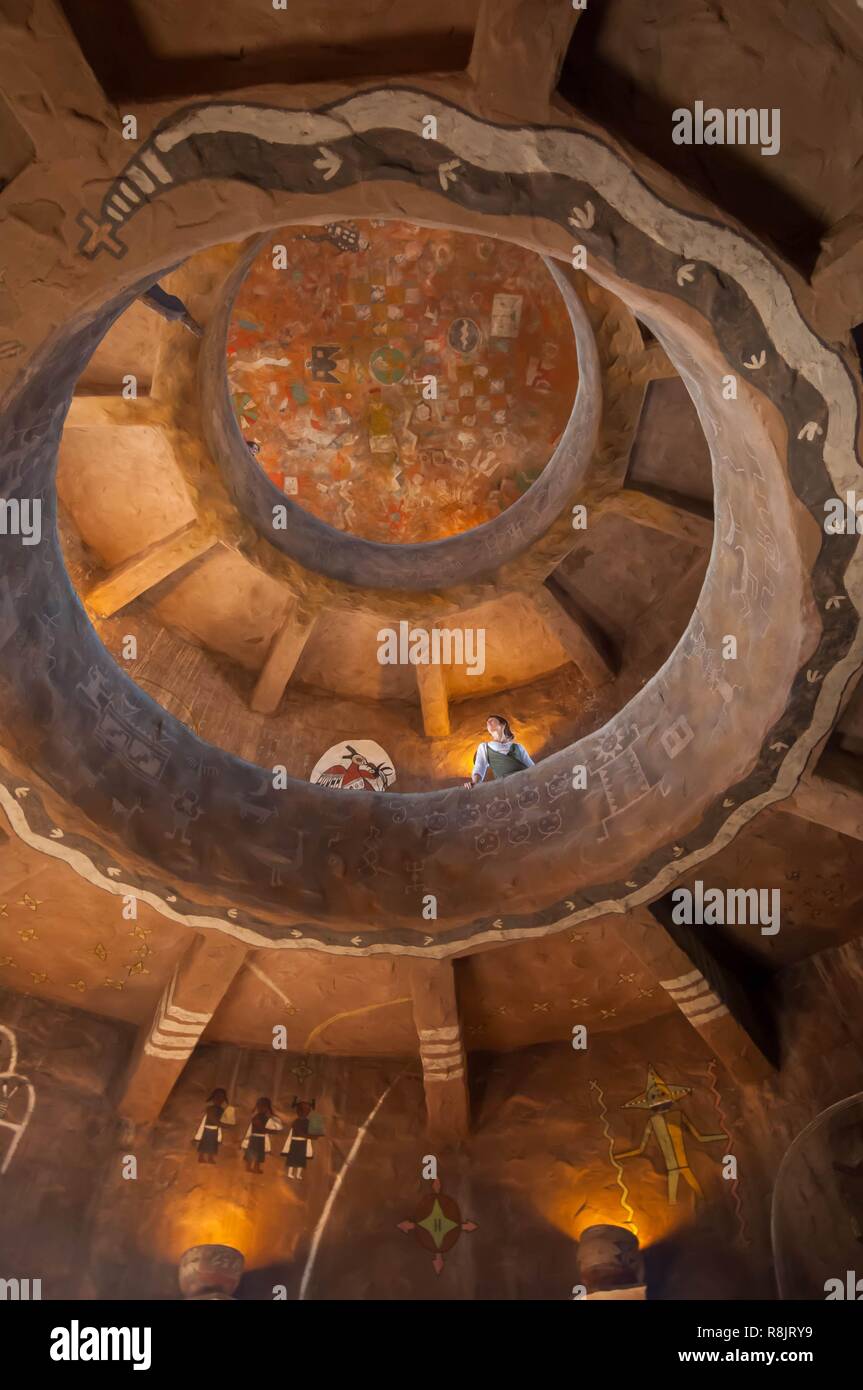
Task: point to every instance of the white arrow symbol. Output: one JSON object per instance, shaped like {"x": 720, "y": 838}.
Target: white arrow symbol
{"x": 447, "y": 173}
{"x": 498, "y": 924}
{"x": 232, "y": 912}
{"x": 295, "y": 932}
{"x": 583, "y": 217}
{"x": 685, "y": 273}
{"x": 427, "y": 940}
{"x": 835, "y": 600}
{"x": 727, "y": 802}
{"x": 170, "y": 898}
{"x": 21, "y": 792}
{"x": 328, "y": 161}
{"x": 810, "y": 430}
{"x": 814, "y": 677}
{"x": 115, "y": 873}
{"x": 778, "y": 747}
{"x": 570, "y": 905}
{"x": 630, "y": 883}
{"x": 756, "y": 363}
{"x": 356, "y": 941}
{"x": 56, "y": 834}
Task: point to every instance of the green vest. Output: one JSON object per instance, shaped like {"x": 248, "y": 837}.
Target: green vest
{"x": 503, "y": 764}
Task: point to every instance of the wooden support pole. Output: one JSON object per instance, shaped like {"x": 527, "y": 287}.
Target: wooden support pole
{"x": 285, "y": 651}
{"x": 431, "y": 684}
{"x": 191, "y": 997}
{"x": 438, "y": 1025}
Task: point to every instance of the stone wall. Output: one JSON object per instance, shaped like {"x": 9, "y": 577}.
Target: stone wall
{"x": 73, "y": 1061}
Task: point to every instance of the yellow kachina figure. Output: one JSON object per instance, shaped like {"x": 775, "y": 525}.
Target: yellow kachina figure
{"x": 666, "y": 1125}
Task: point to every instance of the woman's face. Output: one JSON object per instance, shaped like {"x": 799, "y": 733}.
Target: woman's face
{"x": 495, "y": 728}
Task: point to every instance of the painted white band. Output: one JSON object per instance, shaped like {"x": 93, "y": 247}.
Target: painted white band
{"x": 682, "y": 980}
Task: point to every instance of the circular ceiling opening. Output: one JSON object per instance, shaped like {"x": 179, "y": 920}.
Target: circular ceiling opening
{"x": 401, "y": 383}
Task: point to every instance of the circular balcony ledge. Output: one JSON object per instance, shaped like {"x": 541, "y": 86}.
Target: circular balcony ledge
{"x": 671, "y": 778}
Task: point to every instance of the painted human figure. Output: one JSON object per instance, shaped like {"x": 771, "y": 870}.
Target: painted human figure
{"x": 186, "y": 810}
{"x": 256, "y": 1144}
{"x": 500, "y": 754}
{"x": 666, "y": 1126}
{"x": 208, "y": 1135}
{"x": 298, "y": 1146}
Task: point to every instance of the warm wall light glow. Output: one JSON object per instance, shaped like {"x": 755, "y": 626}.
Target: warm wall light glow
{"x": 265, "y": 1228}
{"x": 577, "y": 1199}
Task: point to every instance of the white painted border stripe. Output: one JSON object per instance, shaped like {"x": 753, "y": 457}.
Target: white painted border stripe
{"x": 443, "y": 1064}
{"x": 439, "y": 1034}
{"x": 334, "y": 1191}
{"x": 698, "y": 1019}
{"x": 164, "y": 1055}
{"x": 453, "y": 1075}
{"x": 682, "y": 980}
{"x": 691, "y": 992}
{"x": 440, "y": 1049}
{"x": 691, "y": 1006}
{"x": 185, "y": 1030}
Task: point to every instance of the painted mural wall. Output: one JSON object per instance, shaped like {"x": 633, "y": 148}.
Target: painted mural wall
{"x": 335, "y": 340}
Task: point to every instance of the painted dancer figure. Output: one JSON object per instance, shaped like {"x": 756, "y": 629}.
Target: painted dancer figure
{"x": 666, "y": 1125}
{"x": 298, "y": 1146}
{"x": 208, "y": 1135}
{"x": 500, "y": 753}
{"x": 256, "y": 1144}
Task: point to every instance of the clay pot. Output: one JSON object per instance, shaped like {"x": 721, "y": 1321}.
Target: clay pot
{"x": 609, "y": 1260}
{"x": 210, "y": 1272}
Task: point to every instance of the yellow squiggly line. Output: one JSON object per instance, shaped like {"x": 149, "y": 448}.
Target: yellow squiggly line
{"x": 615, "y": 1162}
{"x": 352, "y": 1013}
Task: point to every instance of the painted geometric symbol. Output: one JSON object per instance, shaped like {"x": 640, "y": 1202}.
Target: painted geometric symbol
{"x": 437, "y": 1224}
{"x": 323, "y": 362}
{"x": 388, "y": 365}
{"x": 464, "y": 336}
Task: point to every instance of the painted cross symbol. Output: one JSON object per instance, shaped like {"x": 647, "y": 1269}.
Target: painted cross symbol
{"x": 98, "y": 236}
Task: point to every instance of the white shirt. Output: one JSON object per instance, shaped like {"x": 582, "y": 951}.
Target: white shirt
{"x": 480, "y": 766}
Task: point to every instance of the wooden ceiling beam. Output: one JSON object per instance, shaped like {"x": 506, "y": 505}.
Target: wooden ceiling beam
{"x": 580, "y": 641}
{"x": 681, "y": 517}
{"x": 143, "y": 571}
{"x": 518, "y": 52}
{"x": 116, "y": 412}
{"x": 827, "y": 803}
{"x": 711, "y": 999}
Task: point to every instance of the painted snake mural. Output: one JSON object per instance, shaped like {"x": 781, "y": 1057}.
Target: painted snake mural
{"x": 333, "y": 871}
